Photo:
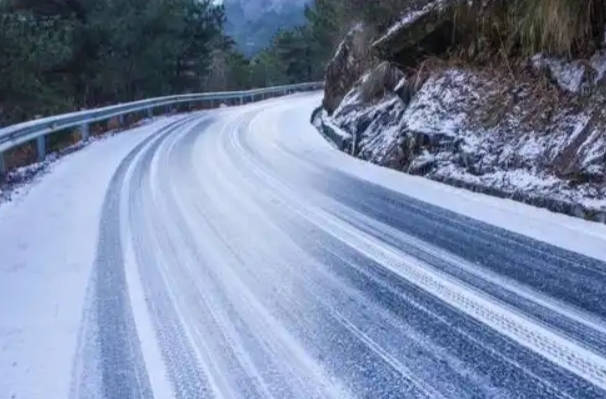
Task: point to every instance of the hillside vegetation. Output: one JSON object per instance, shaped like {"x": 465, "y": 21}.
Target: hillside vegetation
{"x": 61, "y": 56}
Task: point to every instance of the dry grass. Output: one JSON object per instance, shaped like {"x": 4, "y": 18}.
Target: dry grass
{"x": 19, "y": 156}
{"x": 419, "y": 75}
{"x": 556, "y": 26}
{"x": 514, "y": 28}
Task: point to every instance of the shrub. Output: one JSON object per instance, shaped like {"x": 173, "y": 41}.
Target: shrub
{"x": 524, "y": 27}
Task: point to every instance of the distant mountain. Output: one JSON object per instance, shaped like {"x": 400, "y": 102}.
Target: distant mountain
{"x": 252, "y": 23}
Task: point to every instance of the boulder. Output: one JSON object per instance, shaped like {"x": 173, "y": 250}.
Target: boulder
{"x": 382, "y": 80}
{"x": 351, "y": 60}
{"x": 425, "y": 27}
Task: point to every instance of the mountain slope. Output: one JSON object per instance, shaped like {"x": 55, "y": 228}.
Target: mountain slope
{"x": 252, "y": 23}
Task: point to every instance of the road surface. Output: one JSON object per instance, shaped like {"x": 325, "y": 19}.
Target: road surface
{"x": 234, "y": 254}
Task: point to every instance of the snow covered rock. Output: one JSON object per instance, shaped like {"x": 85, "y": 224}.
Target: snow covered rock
{"x": 423, "y": 28}
{"x": 382, "y": 79}
{"x": 376, "y": 128}
{"x": 489, "y": 134}
{"x": 575, "y": 76}
{"x": 571, "y": 76}
{"x": 351, "y": 60}
{"x": 533, "y": 131}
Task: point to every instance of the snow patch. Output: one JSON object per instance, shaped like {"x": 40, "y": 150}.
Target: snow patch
{"x": 531, "y": 148}
{"x": 401, "y": 84}
{"x": 17, "y": 181}
{"x": 337, "y": 130}
{"x": 569, "y": 75}
{"x": 598, "y": 63}
{"x": 435, "y": 107}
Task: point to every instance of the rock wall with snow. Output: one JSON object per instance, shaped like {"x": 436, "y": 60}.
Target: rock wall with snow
{"x": 350, "y": 61}
{"x": 540, "y": 139}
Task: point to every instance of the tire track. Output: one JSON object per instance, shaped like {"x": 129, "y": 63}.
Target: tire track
{"x": 574, "y": 323}
{"x": 111, "y": 347}
{"x": 187, "y": 375}
{"x": 552, "y": 346}
{"x": 269, "y": 276}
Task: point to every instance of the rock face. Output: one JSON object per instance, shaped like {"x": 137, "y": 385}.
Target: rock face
{"x": 538, "y": 136}
{"x": 351, "y": 60}
{"x": 426, "y": 27}
{"x": 488, "y": 134}
{"x": 372, "y": 113}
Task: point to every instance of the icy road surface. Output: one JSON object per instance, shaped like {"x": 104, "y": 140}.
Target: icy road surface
{"x": 235, "y": 254}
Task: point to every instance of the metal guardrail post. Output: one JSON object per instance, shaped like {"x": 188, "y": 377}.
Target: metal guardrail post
{"x": 41, "y": 148}
{"x": 150, "y": 112}
{"x": 241, "y": 100}
{"x": 84, "y": 132}
{"x": 121, "y": 119}
{"x": 2, "y": 166}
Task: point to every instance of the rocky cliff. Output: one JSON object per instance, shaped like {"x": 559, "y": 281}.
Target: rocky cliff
{"x": 536, "y": 135}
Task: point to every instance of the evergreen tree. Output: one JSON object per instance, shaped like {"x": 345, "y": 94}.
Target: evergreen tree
{"x": 57, "y": 56}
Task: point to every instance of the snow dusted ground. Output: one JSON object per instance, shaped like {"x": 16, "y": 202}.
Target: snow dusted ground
{"x": 237, "y": 254}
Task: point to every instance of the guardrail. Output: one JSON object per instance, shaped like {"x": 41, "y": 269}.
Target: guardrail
{"x": 15, "y": 135}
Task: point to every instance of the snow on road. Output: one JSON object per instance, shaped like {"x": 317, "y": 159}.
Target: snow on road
{"x": 235, "y": 254}
{"x": 47, "y": 246}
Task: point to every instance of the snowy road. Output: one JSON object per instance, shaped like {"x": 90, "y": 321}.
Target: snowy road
{"x": 235, "y": 254}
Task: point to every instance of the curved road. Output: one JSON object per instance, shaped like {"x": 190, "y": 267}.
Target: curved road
{"x": 239, "y": 256}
